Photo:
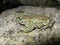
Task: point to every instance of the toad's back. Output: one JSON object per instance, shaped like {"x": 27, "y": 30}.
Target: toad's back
{"x": 35, "y": 18}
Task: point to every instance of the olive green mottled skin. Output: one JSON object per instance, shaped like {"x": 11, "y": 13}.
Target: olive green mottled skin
{"x": 29, "y": 22}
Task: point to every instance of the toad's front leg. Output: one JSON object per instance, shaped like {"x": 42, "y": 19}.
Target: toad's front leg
{"x": 27, "y": 28}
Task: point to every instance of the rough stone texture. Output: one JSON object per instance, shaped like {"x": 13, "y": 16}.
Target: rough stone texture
{"x": 10, "y": 30}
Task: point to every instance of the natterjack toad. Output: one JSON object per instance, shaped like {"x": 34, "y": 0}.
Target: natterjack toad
{"x": 31, "y": 22}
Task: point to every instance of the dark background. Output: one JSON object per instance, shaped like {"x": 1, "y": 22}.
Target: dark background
{"x": 8, "y": 4}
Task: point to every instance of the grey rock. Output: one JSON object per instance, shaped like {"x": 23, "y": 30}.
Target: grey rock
{"x": 10, "y": 30}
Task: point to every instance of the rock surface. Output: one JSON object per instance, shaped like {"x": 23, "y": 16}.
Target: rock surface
{"x": 10, "y": 30}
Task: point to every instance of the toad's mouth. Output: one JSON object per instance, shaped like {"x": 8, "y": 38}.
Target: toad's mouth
{"x": 22, "y": 24}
